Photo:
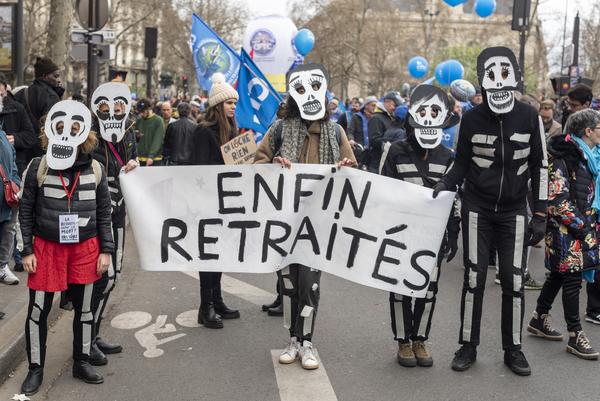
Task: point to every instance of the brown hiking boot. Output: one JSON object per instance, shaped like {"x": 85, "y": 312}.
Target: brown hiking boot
{"x": 423, "y": 356}
{"x": 406, "y": 357}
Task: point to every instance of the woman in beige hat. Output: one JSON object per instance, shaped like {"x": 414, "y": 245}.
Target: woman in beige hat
{"x": 218, "y": 128}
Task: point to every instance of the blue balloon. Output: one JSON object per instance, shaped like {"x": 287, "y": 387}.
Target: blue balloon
{"x": 485, "y": 8}
{"x": 418, "y": 67}
{"x": 448, "y": 71}
{"x": 304, "y": 41}
{"x": 454, "y": 3}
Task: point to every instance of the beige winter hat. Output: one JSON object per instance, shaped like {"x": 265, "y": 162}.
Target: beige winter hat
{"x": 220, "y": 90}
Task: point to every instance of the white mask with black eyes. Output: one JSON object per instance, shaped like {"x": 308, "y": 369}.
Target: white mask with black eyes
{"x": 67, "y": 126}
{"x": 308, "y": 88}
{"x": 429, "y": 110}
{"x": 111, "y": 103}
{"x": 500, "y": 82}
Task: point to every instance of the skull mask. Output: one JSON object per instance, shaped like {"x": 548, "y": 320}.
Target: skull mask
{"x": 429, "y": 113}
{"x": 499, "y": 75}
{"x": 307, "y": 85}
{"x": 111, "y": 103}
{"x": 67, "y": 126}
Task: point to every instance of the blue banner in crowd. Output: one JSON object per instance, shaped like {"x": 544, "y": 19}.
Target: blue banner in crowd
{"x": 258, "y": 103}
{"x": 211, "y": 54}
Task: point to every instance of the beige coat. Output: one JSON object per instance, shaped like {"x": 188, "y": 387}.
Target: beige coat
{"x": 310, "y": 149}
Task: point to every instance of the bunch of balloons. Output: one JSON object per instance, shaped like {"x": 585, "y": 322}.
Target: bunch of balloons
{"x": 483, "y": 8}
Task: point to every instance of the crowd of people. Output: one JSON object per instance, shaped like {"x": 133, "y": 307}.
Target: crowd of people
{"x": 525, "y": 169}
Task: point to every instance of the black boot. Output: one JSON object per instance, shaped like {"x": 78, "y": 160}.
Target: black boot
{"x": 108, "y": 348}
{"x": 97, "y": 357}
{"x": 207, "y": 315}
{"x": 33, "y": 381}
{"x": 221, "y": 308}
{"x": 276, "y": 311}
{"x": 275, "y": 304}
{"x": 86, "y": 372}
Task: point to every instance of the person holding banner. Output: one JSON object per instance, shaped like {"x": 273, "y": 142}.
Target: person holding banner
{"x": 501, "y": 152}
{"x": 218, "y": 128}
{"x": 67, "y": 239}
{"x": 305, "y": 134}
{"x": 116, "y": 150}
{"x": 421, "y": 160}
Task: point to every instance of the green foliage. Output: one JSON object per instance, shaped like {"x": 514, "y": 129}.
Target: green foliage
{"x": 465, "y": 54}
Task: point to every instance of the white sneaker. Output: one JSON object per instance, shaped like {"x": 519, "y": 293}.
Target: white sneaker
{"x": 8, "y": 277}
{"x": 290, "y": 353}
{"x": 309, "y": 359}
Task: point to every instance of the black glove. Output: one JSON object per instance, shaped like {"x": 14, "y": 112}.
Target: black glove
{"x": 451, "y": 246}
{"x": 439, "y": 187}
{"x": 536, "y": 230}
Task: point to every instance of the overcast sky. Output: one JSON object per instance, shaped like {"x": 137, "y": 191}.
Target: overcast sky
{"x": 551, "y": 12}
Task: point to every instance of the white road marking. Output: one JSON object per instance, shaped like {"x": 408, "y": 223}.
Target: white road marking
{"x": 131, "y": 320}
{"x": 240, "y": 289}
{"x": 188, "y": 319}
{"x": 297, "y": 384}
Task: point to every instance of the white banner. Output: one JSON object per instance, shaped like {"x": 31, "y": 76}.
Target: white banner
{"x": 366, "y": 228}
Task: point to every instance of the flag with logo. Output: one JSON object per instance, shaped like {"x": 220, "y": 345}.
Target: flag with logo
{"x": 211, "y": 54}
{"x": 258, "y": 102}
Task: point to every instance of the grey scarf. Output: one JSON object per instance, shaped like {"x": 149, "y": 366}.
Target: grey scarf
{"x": 293, "y": 134}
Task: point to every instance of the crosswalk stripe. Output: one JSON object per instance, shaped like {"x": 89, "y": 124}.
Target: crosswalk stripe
{"x": 240, "y": 289}
{"x": 297, "y": 384}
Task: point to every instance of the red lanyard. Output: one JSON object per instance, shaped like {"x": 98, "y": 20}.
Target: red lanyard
{"x": 114, "y": 152}
{"x": 69, "y": 193}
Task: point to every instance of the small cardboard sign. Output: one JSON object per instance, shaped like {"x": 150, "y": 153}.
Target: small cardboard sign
{"x": 240, "y": 150}
{"x": 68, "y": 225}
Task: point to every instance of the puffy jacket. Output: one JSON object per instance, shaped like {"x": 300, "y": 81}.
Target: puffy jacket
{"x": 127, "y": 150}
{"x": 572, "y": 231}
{"x": 497, "y": 155}
{"x": 179, "y": 141}
{"x": 41, "y": 96}
{"x": 41, "y": 206}
{"x": 14, "y": 121}
{"x": 7, "y": 159}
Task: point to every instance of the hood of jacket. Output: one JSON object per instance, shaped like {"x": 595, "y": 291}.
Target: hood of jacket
{"x": 562, "y": 147}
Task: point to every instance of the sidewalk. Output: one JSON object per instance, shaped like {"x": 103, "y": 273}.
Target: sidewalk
{"x": 13, "y": 302}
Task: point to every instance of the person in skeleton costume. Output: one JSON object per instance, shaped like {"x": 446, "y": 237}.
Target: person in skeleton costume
{"x": 421, "y": 160}
{"x": 67, "y": 240}
{"x": 501, "y": 147}
{"x": 116, "y": 150}
{"x": 305, "y": 134}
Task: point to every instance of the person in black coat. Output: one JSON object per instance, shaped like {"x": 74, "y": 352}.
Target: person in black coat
{"x": 37, "y": 99}
{"x": 178, "y": 147}
{"x": 218, "y": 128}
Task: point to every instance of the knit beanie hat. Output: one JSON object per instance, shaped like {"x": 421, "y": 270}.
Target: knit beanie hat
{"x": 44, "y": 66}
{"x": 220, "y": 90}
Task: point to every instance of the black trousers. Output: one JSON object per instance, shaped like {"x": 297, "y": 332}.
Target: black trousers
{"x": 411, "y": 317}
{"x": 481, "y": 229}
{"x": 299, "y": 286}
{"x": 571, "y": 286}
{"x": 593, "y": 293}
{"x": 104, "y": 286}
{"x": 36, "y": 326}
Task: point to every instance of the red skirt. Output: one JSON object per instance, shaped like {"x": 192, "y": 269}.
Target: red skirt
{"x": 59, "y": 265}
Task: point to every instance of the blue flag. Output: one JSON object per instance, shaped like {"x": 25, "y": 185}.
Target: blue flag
{"x": 258, "y": 103}
{"x": 211, "y": 54}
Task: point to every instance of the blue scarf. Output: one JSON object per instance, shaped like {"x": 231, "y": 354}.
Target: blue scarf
{"x": 592, "y": 155}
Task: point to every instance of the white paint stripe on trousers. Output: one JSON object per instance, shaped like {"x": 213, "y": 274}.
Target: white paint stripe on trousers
{"x": 518, "y": 264}
{"x": 34, "y": 328}
{"x": 469, "y": 297}
{"x": 297, "y": 384}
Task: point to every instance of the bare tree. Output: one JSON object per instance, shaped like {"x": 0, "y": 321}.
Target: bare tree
{"x": 35, "y": 14}
{"x": 591, "y": 46}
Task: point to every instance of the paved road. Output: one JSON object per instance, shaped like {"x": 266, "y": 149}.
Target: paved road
{"x": 186, "y": 362}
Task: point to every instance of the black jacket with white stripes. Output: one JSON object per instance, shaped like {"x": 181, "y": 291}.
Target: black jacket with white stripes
{"x": 497, "y": 155}
{"x": 41, "y": 206}
{"x": 407, "y": 161}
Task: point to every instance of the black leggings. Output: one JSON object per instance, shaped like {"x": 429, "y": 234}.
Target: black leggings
{"x": 571, "y": 286}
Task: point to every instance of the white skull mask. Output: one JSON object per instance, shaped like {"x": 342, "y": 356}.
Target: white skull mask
{"x": 111, "y": 103}
{"x": 499, "y": 75}
{"x": 67, "y": 126}
{"x": 429, "y": 110}
{"x": 307, "y": 85}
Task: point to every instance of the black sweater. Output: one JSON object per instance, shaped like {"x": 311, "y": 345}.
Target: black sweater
{"x": 40, "y": 207}
{"x": 498, "y": 155}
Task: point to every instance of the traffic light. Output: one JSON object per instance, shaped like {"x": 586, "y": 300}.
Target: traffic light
{"x": 166, "y": 79}
{"x": 185, "y": 83}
